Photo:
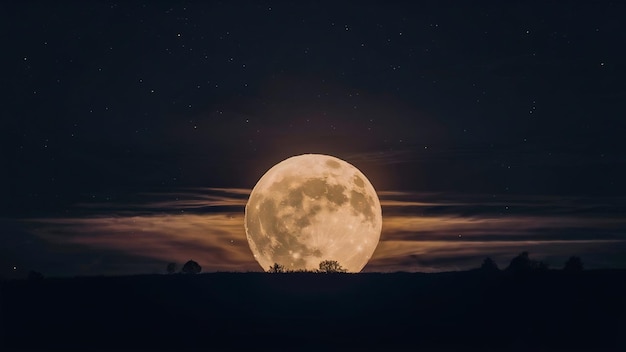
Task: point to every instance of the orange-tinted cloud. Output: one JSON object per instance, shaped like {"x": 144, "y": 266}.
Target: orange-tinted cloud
{"x": 421, "y": 232}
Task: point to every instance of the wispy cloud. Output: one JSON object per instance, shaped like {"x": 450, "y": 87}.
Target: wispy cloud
{"x": 421, "y": 231}
{"x": 216, "y": 241}
{"x": 444, "y": 232}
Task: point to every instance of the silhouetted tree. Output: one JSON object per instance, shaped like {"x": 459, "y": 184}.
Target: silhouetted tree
{"x": 520, "y": 264}
{"x": 171, "y": 268}
{"x": 191, "y": 267}
{"x": 276, "y": 268}
{"x": 330, "y": 267}
{"x": 35, "y": 276}
{"x": 489, "y": 265}
{"x": 573, "y": 265}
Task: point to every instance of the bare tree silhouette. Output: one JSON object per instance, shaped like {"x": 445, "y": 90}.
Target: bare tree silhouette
{"x": 276, "y": 268}
{"x": 191, "y": 267}
{"x": 330, "y": 267}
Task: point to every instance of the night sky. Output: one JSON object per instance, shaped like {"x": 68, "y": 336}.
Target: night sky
{"x": 131, "y": 133}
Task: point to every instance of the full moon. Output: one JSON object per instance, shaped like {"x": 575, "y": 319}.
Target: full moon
{"x": 311, "y": 208}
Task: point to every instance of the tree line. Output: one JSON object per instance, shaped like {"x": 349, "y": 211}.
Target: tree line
{"x": 520, "y": 264}
{"x": 523, "y": 264}
{"x": 325, "y": 267}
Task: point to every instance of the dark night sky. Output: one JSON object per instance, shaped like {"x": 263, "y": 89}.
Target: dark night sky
{"x": 505, "y": 121}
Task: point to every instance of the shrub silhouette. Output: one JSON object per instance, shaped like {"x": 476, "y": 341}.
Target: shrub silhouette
{"x": 191, "y": 267}
{"x": 520, "y": 264}
{"x": 171, "y": 268}
{"x": 330, "y": 267}
{"x": 276, "y": 268}
{"x": 489, "y": 265}
{"x": 573, "y": 265}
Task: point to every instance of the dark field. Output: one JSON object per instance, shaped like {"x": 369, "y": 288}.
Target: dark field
{"x": 299, "y": 311}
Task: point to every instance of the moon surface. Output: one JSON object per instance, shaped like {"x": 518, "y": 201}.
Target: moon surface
{"x": 311, "y": 208}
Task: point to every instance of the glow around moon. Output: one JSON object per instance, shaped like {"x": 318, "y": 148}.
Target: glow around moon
{"x": 310, "y": 208}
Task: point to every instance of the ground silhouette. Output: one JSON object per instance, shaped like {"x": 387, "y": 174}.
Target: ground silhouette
{"x": 471, "y": 310}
